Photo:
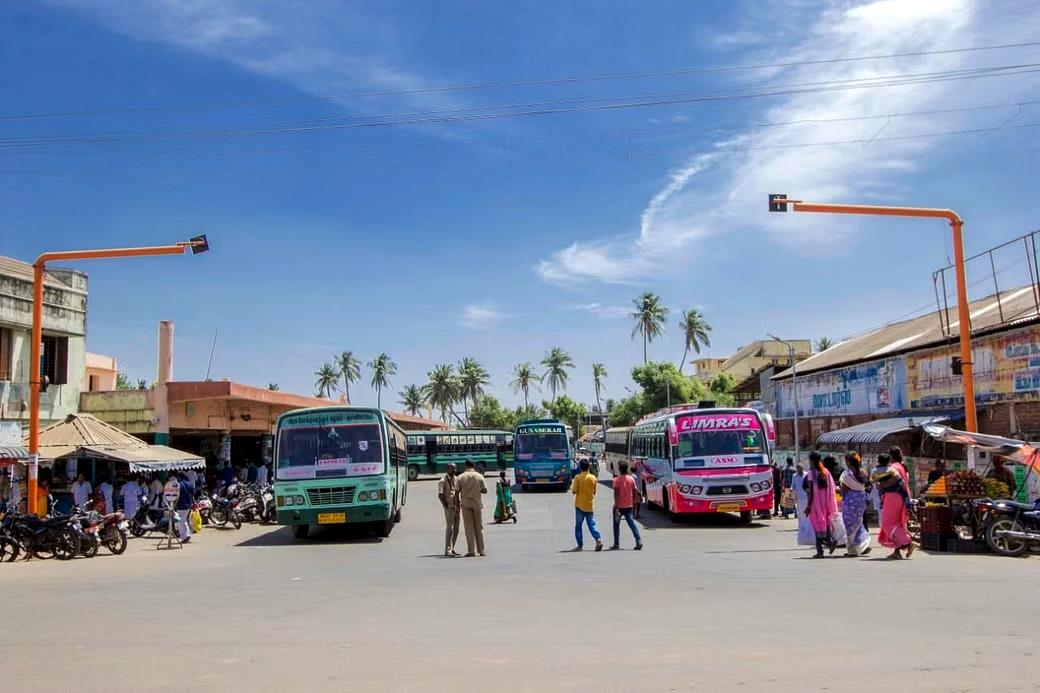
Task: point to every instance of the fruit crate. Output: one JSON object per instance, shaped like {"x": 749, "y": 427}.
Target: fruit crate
{"x": 937, "y": 520}
{"x": 958, "y": 545}
{"x": 934, "y": 541}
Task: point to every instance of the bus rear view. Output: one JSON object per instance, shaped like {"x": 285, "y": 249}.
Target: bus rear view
{"x": 542, "y": 454}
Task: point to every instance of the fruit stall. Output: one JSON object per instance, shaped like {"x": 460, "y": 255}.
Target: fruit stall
{"x": 949, "y": 521}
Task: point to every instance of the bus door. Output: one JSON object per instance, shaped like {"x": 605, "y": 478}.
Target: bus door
{"x": 431, "y": 454}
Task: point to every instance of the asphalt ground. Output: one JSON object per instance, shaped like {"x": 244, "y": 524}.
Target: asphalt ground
{"x": 708, "y": 605}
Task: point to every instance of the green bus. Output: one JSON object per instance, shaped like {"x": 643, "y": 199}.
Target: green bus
{"x": 339, "y": 465}
{"x": 430, "y": 452}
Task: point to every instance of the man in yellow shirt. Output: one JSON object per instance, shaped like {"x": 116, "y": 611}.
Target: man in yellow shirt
{"x": 584, "y": 489}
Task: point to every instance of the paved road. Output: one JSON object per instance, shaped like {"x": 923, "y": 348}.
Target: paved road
{"x": 707, "y": 606}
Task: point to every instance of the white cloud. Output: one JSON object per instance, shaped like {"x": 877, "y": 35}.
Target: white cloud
{"x": 603, "y": 311}
{"x": 480, "y": 316}
{"x": 724, "y": 190}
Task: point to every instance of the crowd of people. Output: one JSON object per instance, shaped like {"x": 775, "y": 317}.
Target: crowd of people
{"x": 461, "y": 496}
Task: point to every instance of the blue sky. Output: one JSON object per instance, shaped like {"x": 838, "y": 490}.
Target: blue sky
{"x": 501, "y": 237}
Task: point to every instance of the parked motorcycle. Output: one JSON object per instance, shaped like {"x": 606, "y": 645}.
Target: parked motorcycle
{"x": 247, "y": 501}
{"x": 1012, "y": 528}
{"x": 204, "y": 504}
{"x": 268, "y": 512}
{"x": 149, "y": 520}
{"x": 223, "y": 512}
{"x": 48, "y": 537}
{"x": 112, "y": 531}
{"x": 85, "y": 523}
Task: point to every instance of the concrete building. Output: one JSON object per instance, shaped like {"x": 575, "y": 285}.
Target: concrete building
{"x": 64, "y": 340}
{"x": 705, "y": 369}
{"x": 101, "y": 373}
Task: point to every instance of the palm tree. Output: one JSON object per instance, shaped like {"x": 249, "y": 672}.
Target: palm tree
{"x": 823, "y": 344}
{"x": 442, "y": 390}
{"x": 382, "y": 368}
{"x": 695, "y": 333}
{"x": 649, "y": 315}
{"x": 273, "y": 387}
{"x": 472, "y": 379}
{"x": 349, "y": 370}
{"x": 412, "y": 399}
{"x": 556, "y": 363}
{"x": 525, "y": 379}
{"x": 328, "y": 378}
{"x": 599, "y": 373}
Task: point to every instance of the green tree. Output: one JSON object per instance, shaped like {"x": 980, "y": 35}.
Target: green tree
{"x": 442, "y": 389}
{"x": 524, "y": 379}
{"x": 472, "y": 379}
{"x": 526, "y": 413}
{"x": 349, "y": 370}
{"x": 328, "y": 377}
{"x": 382, "y": 368}
{"x": 723, "y": 383}
{"x": 123, "y": 382}
{"x": 599, "y": 374}
{"x": 650, "y": 315}
{"x": 556, "y": 363}
{"x": 568, "y": 411}
{"x": 823, "y": 344}
{"x": 695, "y": 333}
{"x": 488, "y": 412}
{"x": 412, "y": 399}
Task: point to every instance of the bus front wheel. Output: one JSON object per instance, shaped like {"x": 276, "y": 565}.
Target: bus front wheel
{"x": 384, "y": 529}
{"x": 413, "y": 472}
{"x": 301, "y": 531}
{"x": 745, "y": 517}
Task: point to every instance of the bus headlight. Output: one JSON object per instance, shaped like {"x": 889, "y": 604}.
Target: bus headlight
{"x": 755, "y": 486}
{"x": 685, "y": 489}
{"x": 363, "y": 496}
{"x": 299, "y": 500}
{"x": 696, "y": 490}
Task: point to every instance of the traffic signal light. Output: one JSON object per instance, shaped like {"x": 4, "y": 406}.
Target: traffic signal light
{"x": 957, "y": 365}
{"x": 199, "y": 244}
{"x": 778, "y": 202}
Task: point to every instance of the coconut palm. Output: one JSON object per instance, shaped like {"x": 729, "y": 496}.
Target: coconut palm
{"x": 472, "y": 379}
{"x": 349, "y": 370}
{"x": 382, "y": 368}
{"x": 650, "y": 316}
{"x": 442, "y": 390}
{"x": 556, "y": 363}
{"x": 599, "y": 373}
{"x": 824, "y": 343}
{"x": 328, "y": 377}
{"x": 524, "y": 381}
{"x": 412, "y": 399}
{"x": 695, "y": 333}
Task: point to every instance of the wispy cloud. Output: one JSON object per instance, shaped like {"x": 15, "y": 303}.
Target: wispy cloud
{"x": 603, "y": 311}
{"x": 722, "y": 190}
{"x": 480, "y": 316}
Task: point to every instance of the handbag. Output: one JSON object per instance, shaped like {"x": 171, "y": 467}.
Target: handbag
{"x": 787, "y": 499}
{"x": 195, "y": 518}
{"x": 837, "y": 527}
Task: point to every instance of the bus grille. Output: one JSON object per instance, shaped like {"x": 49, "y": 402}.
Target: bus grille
{"x": 736, "y": 490}
{"x": 330, "y": 496}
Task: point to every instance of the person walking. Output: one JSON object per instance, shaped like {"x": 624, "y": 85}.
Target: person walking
{"x": 261, "y": 475}
{"x": 472, "y": 489}
{"x": 105, "y": 487}
{"x": 893, "y": 484}
{"x": 853, "y": 505}
{"x": 822, "y": 505}
{"x": 800, "y": 486}
{"x": 131, "y": 493}
{"x": 777, "y": 482}
{"x": 584, "y": 489}
{"x": 448, "y": 493}
{"x": 184, "y": 502}
{"x": 786, "y": 481}
{"x": 504, "y": 499}
{"x": 81, "y": 490}
{"x": 625, "y": 494}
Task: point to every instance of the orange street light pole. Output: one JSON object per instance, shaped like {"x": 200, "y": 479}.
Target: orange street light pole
{"x": 778, "y": 203}
{"x": 198, "y": 244}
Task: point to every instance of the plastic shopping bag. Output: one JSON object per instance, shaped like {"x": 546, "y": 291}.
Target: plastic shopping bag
{"x": 837, "y": 526}
{"x": 195, "y": 518}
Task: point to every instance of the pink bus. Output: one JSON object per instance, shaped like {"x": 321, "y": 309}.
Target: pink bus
{"x": 695, "y": 460}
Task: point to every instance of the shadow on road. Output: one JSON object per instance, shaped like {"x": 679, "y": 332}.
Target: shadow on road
{"x": 653, "y": 519}
{"x": 283, "y": 536}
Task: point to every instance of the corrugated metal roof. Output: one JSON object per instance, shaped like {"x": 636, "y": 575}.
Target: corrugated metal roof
{"x": 878, "y": 430}
{"x": 151, "y": 458}
{"x": 1014, "y": 306}
{"x": 13, "y": 452}
{"x": 79, "y": 430}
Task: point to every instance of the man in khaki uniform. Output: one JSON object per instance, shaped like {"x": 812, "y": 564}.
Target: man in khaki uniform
{"x": 448, "y": 492}
{"x": 471, "y": 491}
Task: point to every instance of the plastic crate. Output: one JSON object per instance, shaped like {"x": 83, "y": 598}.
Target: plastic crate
{"x": 933, "y": 541}
{"x": 937, "y": 520}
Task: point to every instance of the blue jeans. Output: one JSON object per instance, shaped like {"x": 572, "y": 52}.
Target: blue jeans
{"x": 626, "y": 513}
{"x": 581, "y": 516}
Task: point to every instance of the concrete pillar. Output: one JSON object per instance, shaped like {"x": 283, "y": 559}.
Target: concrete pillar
{"x": 224, "y": 450}
{"x": 164, "y": 373}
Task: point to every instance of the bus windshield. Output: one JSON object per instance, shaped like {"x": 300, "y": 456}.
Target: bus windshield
{"x": 552, "y": 445}
{"x": 321, "y": 452}
{"x": 714, "y": 443}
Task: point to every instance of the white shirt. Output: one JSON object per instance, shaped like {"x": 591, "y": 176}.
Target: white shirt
{"x": 106, "y": 491}
{"x": 261, "y": 474}
{"x": 81, "y": 492}
{"x": 131, "y": 498}
{"x": 156, "y": 489}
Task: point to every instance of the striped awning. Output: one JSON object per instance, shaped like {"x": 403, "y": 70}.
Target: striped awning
{"x": 876, "y": 431}
{"x": 14, "y": 452}
{"x": 149, "y": 458}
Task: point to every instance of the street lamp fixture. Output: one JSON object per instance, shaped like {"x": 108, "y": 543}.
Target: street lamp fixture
{"x": 780, "y": 202}
{"x": 793, "y": 358}
{"x": 198, "y": 244}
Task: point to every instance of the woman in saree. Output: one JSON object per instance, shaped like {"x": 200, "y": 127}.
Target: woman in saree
{"x": 853, "y": 505}
{"x": 893, "y": 483}
{"x": 504, "y": 500}
{"x": 806, "y": 536}
{"x": 822, "y": 506}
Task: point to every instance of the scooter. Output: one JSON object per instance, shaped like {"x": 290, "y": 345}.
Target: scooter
{"x": 1012, "y": 528}
{"x": 150, "y": 520}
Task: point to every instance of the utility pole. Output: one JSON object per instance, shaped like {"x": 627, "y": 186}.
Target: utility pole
{"x": 793, "y": 360}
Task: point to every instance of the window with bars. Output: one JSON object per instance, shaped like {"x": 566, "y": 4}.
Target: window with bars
{"x": 56, "y": 359}
{"x": 6, "y": 353}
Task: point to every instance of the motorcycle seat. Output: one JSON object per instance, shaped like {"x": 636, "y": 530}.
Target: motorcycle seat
{"x": 1015, "y": 505}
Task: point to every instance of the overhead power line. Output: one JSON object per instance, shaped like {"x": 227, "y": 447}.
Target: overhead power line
{"x": 527, "y": 110}
{"x": 681, "y": 72}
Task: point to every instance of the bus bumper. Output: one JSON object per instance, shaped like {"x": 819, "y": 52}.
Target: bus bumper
{"x": 352, "y": 514}
{"x": 716, "y": 505}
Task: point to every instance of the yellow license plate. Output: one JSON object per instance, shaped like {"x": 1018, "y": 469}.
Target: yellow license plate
{"x": 729, "y": 507}
{"x": 331, "y": 518}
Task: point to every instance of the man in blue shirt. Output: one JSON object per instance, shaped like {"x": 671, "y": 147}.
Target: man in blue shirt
{"x": 183, "y": 507}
